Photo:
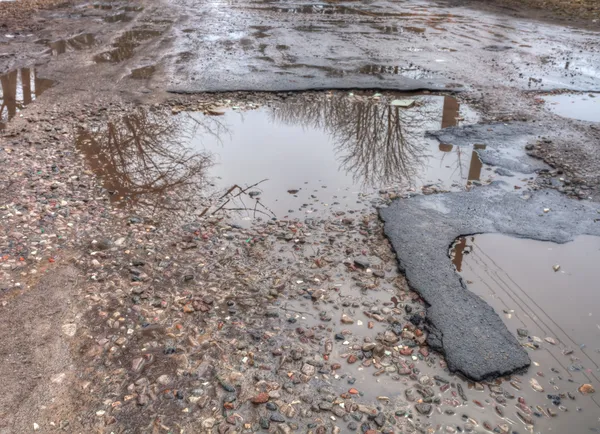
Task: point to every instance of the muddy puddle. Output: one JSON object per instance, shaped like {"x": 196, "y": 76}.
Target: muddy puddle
{"x": 116, "y": 18}
{"x": 337, "y": 153}
{"x": 583, "y": 107}
{"x": 20, "y": 87}
{"x": 76, "y": 43}
{"x": 547, "y": 295}
{"x": 125, "y": 45}
{"x": 143, "y": 72}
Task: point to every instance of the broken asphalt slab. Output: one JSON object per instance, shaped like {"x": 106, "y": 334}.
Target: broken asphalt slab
{"x": 313, "y": 79}
{"x": 421, "y": 229}
{"x": 504, "y": 143}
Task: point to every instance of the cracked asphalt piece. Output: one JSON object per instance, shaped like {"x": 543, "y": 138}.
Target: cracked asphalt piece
{"x": 468, "y": 331}
{"x": 504, "y": 143}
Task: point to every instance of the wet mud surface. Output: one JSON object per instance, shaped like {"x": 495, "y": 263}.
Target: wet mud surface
{"x": 257, "y": 45}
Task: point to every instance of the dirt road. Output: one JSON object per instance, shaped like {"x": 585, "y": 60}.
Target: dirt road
{"x": 190, "y": 240}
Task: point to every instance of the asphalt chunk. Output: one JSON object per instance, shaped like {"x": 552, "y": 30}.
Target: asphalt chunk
{"x": 421, "y": 229}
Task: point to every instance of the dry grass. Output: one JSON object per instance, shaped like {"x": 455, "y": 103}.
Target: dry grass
{"x": 20, "y": 11}
{"x": 585, "y": 9}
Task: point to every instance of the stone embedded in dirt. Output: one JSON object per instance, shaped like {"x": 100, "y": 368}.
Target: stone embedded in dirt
{"x": 424, "y": 408}
{"x": 308, "y": 369}
{"x": 69, "y": 329}
{"x": 163, "y": 379}
{"x": 352, "y": 359}
{"x": 346, "y": 319}
{"x": 216, "y": 111}
{"x": 586, "y": 389}
{"x": 535, "y": 385}
{"x": 362, "y": 261}
{"x": 406, "y": 351}
{"x": 137, "y": 363}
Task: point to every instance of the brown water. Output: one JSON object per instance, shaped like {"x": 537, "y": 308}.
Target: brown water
{"x": 79, "y": 42}
{"x": 335, "y": 153}
{"x": 120, "y": 17}
{"x": 125, "y": 45}
{"x": 143, "y": 72}
{"x": 20, "y": 87}
{"x": 560, "y": 310}
{"x": 143, "y": 160}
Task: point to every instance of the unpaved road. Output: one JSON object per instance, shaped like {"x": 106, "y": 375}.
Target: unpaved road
{"x": 132, "y": 301}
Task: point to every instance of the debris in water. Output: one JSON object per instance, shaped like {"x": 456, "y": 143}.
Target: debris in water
{"x": 587, "y": 389}
{"x": 405, "y": 103}
{"x": 535, "y": 385}
{"x": 216, "y": 111}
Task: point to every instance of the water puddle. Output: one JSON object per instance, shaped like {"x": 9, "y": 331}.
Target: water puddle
{"x": 143, "y": 73}
{"x": 77, "y": 43}
{"x": 125, "y": 45}
{"x": 20, "y": 87}
{"x": 305, "y": 157}
{"x": 116, "y": 18}
{"x": 337, "y": 153}
{"x": 584, "y": 107}
{"x": 547, "y": 294}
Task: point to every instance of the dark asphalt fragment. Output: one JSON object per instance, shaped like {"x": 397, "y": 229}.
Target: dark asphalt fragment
{"x": 467, "y": 330}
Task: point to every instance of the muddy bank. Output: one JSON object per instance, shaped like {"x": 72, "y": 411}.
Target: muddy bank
{"x": 462, "y": 325}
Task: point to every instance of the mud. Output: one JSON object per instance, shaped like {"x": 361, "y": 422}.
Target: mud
{"x": 79, "y": 42}
{"x": 126, "y": 44}
{"x": 509, "y": 50}
{"x": 409, "y": 224}
{"x": 187, "y": 316}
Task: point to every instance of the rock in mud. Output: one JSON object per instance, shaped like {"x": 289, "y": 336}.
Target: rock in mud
{"x": 424, "y": 408}
{"x": 587, "y": 389}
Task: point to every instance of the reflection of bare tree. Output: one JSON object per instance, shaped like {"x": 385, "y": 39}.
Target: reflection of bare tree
{"x": 378, "y": 144}
{"x": 144, "y": 159}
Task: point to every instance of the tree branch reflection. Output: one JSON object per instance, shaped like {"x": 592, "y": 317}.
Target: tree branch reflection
{"x": 144, "y": 159}
{"x": 378, "y": 145}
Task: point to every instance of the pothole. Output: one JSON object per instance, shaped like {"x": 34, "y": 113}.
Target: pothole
{"x": 125, "y": 45}
{"x": 583, "y": 107}
{"x": 76, "y": 43}
{"x": 546, "y": 294}
{"x": 336, "y": 153}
